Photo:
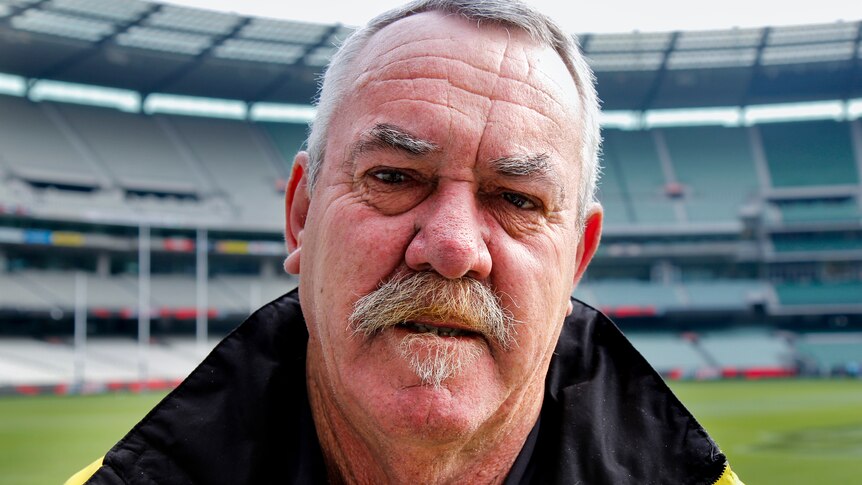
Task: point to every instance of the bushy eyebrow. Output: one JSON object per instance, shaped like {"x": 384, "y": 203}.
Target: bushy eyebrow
{"x": 387, "y": 136}
{"x": 537, "y": 167}
{"x": 522, "y": 165}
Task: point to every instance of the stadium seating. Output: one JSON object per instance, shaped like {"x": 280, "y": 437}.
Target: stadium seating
{"x": 712, "y": 295}
{"x": 116, "y": 139}
{"x": 175, "y": 169}
{"x": 802, "y": 211}
{"x": 288, "y": 138}
{"x": 613, "y": 194}
{"x": 41, "y": 290}
{"x": 668, "y": 352}
{"x": 107, "y": 361}
{"x": 828, "y": 351}
{"x": 59, "y": 288}
{"x": 631, "y": 293}
{"x": 35, "y": 148}
{"x": 640, "y": 174}
{"x": 806, "y": 153}
{"x": 17, "y": 294}
{"x": 822, "y": 242}
{"x": 241, "y": 163}
{"x": 724, "y": 294}
{"x": 746, "y": 349}
{"x": 808, "y": 294}
{"x": 715, "y": 167}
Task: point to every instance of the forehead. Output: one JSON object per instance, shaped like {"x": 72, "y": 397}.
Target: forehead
{"x": 435, "y": 74}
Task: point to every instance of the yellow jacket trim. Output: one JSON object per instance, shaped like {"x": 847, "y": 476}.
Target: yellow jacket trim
{"x": 82, "y": 476}
{"x": 728, "y": 478}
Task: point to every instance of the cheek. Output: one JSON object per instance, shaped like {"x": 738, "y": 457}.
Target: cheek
{"x": 356, "y": 249}
{"x": 535, "y": 276}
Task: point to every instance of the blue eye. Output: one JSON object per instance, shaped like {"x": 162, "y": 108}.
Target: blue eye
{"x": 390, "y": 176}
{"x": 518, "y": 200}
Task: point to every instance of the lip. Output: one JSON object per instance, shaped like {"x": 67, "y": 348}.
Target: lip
{"x": 446, "y": 325}
{"x": 465, "y": 333}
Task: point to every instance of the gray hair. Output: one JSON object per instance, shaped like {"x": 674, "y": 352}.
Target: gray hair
{"x": 509, "y": 13}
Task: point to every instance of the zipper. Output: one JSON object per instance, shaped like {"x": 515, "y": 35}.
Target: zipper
{"x": 723, "y": 471}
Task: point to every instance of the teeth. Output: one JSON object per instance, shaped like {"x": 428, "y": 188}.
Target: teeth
{"x": 443, "y": 332}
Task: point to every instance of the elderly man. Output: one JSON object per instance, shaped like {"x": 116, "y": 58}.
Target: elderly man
{"x": 440, "y": 220}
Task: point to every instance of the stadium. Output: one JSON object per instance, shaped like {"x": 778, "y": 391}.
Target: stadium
{"x": 144, "y": 149}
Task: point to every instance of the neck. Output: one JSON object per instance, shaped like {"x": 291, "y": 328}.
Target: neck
{"x": 356, "y": 453}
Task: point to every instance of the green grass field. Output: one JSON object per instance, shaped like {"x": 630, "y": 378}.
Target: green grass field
{"x": 775, "y": 432}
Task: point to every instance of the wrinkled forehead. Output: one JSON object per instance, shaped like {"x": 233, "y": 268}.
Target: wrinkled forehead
{"x": 480, "y": 55}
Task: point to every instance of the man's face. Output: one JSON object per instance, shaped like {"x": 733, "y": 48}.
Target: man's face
{"x": 455, "y": 152}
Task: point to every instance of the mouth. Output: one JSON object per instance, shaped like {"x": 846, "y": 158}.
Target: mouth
{"x": 419, "y": 328}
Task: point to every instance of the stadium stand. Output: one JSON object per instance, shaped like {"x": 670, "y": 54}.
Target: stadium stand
{"x": 746, "y": 349}
{"x": 668, "y": 352}
{"x": 252, "y": 182}
{"x": 715, "y": 166}
{"x": 36, "y": 149}
{"x": 640, "y": 174}
{"x": 722, "y": 237}
{"x": 820, "y": 293}
{"x": 829, "y": 351}
{"x": 806, "y": 153}
{"x": 114, "y": 138}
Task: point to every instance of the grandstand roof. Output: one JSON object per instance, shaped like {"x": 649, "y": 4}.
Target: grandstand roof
{"x": 152, "y": 47}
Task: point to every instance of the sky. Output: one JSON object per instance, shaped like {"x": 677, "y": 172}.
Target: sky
{"x": 578, "y": 17}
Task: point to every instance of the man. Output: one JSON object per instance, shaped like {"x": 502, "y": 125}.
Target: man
{"x": 440, "y": 220}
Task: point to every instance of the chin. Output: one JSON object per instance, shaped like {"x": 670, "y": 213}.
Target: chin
{"x": 417, "y": 409}
{"x": 451, "y": 411}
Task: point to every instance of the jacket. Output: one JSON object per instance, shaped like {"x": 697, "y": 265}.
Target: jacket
{"x": 242, "y": 417}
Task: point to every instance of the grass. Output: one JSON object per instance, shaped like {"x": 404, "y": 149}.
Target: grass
{"x": 46, "y": 439}
{"x": 774, "y": 432}
{"x": 783, "y": 431}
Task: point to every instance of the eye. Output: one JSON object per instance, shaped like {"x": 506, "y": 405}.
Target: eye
{"x": 519, "y": 200}
{"x": 389, "y": 176}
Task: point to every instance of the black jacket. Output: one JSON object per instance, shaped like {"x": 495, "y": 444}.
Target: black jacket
{"x": 242, "y": 417}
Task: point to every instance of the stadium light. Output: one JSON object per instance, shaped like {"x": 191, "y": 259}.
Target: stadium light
{"x": 14, "y": 85}
{"x": 282, "y": 112}
{"x": 821, "y": 110}
{"x": 197, "y": 106}
{"x": 624, "y": 120}
{"x": 121, "y": 99}
{"x": 693, "y": 117}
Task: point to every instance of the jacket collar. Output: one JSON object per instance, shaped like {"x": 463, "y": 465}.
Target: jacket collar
{"x": 242, "y": 416}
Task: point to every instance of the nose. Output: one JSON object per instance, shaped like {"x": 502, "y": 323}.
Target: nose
{"x": 451, "y": 237}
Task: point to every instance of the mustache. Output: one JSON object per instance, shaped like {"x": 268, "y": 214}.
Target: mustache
{"x": 426, "y": 295}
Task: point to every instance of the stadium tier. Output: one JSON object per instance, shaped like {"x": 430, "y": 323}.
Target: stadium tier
{"x": 727, "y": 239}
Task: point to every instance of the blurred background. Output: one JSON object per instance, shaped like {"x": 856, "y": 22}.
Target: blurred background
{"x": 144, "y": 149}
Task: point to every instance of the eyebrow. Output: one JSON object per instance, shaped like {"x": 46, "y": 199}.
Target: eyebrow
{"x": 537, "y": 166}
{"x": 387, "y": 136}
{"x": 523, "y": 165}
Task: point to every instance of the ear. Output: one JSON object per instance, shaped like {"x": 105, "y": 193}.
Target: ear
{"x": 588, "y": 244}
{"x": 296, "y": 202}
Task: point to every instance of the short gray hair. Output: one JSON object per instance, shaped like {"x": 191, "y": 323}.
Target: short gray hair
{"x": 509, "y": 13}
